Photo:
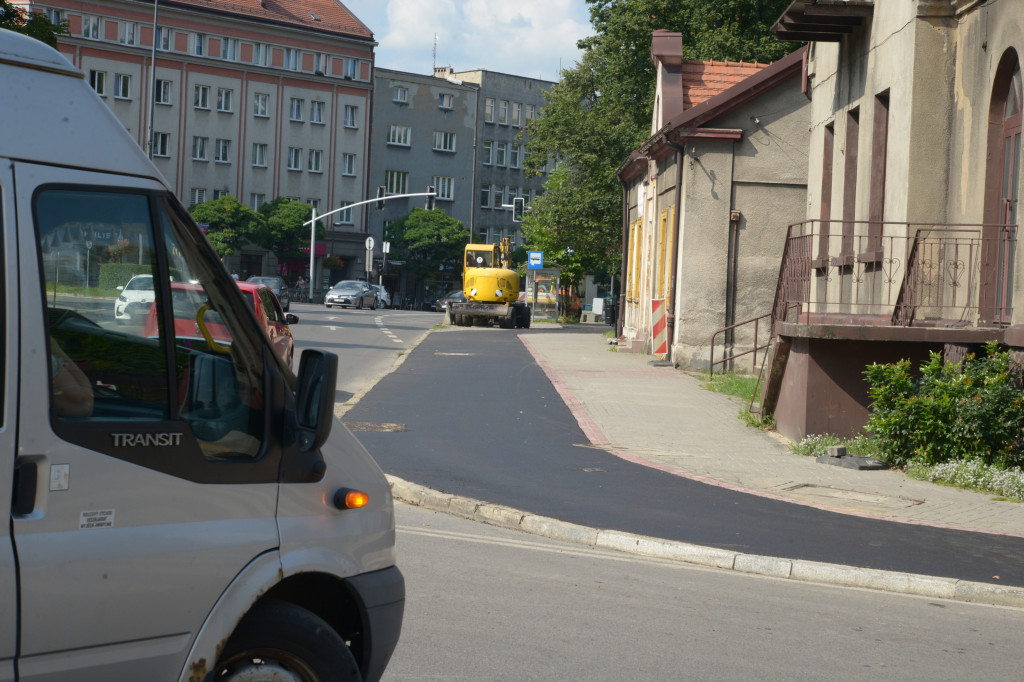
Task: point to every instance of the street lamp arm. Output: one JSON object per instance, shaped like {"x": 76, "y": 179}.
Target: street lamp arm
{"x": 367, "y": 201}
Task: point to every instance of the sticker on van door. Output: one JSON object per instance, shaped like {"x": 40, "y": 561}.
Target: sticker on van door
{"x": 99, "y": 518}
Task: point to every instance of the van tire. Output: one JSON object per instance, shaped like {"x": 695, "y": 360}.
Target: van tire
{"x": 284, "y": 636}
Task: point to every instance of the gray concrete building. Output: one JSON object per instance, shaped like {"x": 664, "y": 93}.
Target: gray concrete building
{"x": 424, "y": 134}
{"x": 506, "y": 104}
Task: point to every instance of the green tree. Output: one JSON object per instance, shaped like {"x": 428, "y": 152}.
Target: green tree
{"x": 35, "y": 24}
{"x": 600, "y": 111}
{"x": 427, "y": 241}
{"x": 230, "y": 223}
{"x": 282, "y": 230}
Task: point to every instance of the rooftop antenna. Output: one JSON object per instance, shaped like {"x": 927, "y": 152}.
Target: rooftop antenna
{"x": 435, "y": 52}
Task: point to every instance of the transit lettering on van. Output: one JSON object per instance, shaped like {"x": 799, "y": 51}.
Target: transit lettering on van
{"x": 235, "y": 558}
{"x": 135, "y": 440}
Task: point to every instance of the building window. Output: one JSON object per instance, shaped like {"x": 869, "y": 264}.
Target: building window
{"x": 90, "y": 27}
{"x": 161, "y": 143}
{"x": 259, "y": 154}
{"x": 202, "y": 97}
{"x": 529, "y": 112}
{"x": 503, "y": 112}
{"x": 316, "y": 112}
{"x": 224, "y": 100}
{"x": 319, "y": 63}
{"x": 444, "y": 142}
{"x": 128, "y": 33}
{"x": 496, "y": 195}
{"x": 396, "y": 182}
{"x": 487, "y": 152}
{"x": 346, "y": 215}
{"x": 350, "y": 116}
{"x": 291, "y": 59}
{"x": 399, "y": 135}
{"x": 218, "y": 193}
{"x": 489, "y": 110}
{"x": 485, "y": 196}
{"x": 400, "y": 95}
{"x": 348, "y": 164}
{"x": 98, "y": 81}
{"x": 259, "y": 105}
{"x": 443, "y": 186}
{"x": 163, "y": 38}
{"x": 499, "y": 156}
{"x": 229, "y": 49}
{"x": 122, "y": 86}
{"x": 350, "y": 69}
{"x": 162, "y": 92}
{"x": 444, "y": 101}
{"x": 223, "y": 153}
{"x": 199, "y": 148}
{"x": 260, "y": 54}
{"x": 517, "y": 114}
{"x": 295, "y": 109}
{"x": 257, "y": 200}
{"x": 56, "y": 16}
{"x": 294, "y": 158}
{"x": 316, "y": 158}
{"x": 199, "y": 44}
{"x": 197, "y": 196}
{"x": 513, "y": 155}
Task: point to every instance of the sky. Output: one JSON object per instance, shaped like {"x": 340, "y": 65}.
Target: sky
{"x": 533, "y": 38}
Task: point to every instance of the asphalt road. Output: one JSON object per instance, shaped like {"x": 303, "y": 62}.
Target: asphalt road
{"x": 481, "y": 419}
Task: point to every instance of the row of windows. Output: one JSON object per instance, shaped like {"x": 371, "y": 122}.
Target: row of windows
{"x": 397, "y": 182}
{"x": 504, "y": 112}
{"x": 222, "y": 154}
{"x": 500, "y": 154}
{"x": 400, "y": 95}
{"x": 496, "y": 196}
{"x": 93, "y": 28}
{"x": 225, "y": 99}
{"x": 402, "y": 137}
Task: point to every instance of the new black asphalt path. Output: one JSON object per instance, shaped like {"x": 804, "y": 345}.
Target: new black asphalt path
{"x": 480, "y": 419}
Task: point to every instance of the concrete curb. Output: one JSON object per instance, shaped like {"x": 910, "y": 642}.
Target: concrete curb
{"x": 804, "y": 571}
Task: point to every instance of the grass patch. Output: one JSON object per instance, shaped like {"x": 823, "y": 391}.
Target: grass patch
{"x": 815, "y": 446}
{"x": 739, "y": 385}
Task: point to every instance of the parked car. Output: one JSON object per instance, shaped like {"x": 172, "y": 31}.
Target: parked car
{"x": 351, "y": 292}
{"x": 276, "y": 285}
{"x": 188, "y": 299}
{"x": 383, "y": 297}
{"x": 135, "y": 299}
{"x": 454, "y": 296}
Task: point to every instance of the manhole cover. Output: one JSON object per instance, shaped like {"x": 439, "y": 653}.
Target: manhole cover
{"x": 852, "y": 497}
{"x": 383, "y": 427}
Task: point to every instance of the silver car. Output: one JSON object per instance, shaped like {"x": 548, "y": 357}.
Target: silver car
{"x": 383, "y": 297}
{"x": 351, "y": 293}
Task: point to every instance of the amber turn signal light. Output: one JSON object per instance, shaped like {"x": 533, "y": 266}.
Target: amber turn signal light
{"x": 346, "y": 498}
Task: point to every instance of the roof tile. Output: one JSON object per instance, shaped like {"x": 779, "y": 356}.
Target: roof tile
{"x": 331, "y": 15}
{"x": 702, "y": 80}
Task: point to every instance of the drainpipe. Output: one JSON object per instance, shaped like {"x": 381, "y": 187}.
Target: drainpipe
{"x": 670, "y": 307}
{"x": 625, "y": 260}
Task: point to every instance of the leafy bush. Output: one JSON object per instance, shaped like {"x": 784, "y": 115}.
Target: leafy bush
{"x": 973, "y": 474}
{"x": 971, "y": 411}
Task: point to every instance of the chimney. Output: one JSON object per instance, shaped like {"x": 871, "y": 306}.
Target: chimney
{"x": 667, "y": 57}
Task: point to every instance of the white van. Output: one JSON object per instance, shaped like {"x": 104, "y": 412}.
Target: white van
{"x": 183, "y": 506}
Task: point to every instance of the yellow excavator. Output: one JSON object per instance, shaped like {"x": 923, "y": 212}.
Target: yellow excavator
{"x": 491, "y": 288}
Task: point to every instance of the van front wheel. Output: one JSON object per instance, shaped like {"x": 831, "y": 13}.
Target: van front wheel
{"x": 282, "y": 641}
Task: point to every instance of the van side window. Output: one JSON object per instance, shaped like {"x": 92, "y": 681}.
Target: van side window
{"x": 112, "y": 356}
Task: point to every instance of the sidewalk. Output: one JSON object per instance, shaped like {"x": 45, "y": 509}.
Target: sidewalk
{"x": 663, "y": 418}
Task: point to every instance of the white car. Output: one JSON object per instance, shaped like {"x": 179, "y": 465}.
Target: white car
{"x": 135, "y": 300}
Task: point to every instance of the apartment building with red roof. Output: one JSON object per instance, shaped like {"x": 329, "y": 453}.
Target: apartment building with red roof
{"x": 250, "y": 98}
{"x": 706, "y": 200}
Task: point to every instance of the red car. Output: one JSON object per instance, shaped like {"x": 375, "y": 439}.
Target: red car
{"x": 187, "y": 299}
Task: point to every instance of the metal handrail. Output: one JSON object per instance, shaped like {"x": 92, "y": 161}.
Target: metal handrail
{"x": 756, "y": 322}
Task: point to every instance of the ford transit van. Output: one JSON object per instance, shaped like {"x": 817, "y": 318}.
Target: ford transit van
{"x": 182, "y": 507}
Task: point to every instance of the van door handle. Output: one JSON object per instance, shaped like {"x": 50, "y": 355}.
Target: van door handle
{"x": 23, "y": 501}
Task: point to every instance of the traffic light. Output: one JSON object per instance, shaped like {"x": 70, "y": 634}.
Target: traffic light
{"x": 518, "y": 207}
{"x": 381, "y": 191}
{"x": 431, "y": 195}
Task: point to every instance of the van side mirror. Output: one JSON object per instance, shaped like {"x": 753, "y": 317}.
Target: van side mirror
{"x": 318, "y": 380}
